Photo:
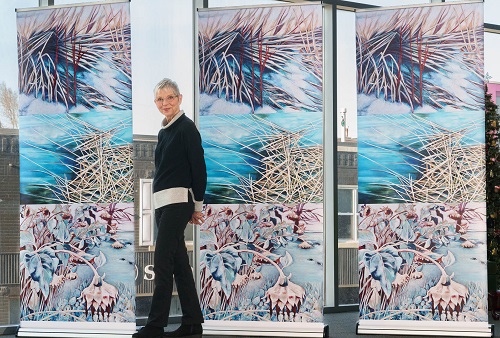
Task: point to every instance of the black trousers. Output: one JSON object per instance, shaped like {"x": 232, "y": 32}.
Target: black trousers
{"x": 171, "y": 261}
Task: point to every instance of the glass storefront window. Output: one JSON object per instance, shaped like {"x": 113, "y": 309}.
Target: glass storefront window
{"x": 347, "y": 214}
{"x": 347, "y": 246}
{"x": 345, "y": 225}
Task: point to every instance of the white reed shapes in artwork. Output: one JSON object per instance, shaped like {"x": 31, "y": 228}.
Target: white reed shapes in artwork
{"x": 449, "y": 169}
{"x": 102, "y": 169}
{"x": 240, "y": 56}
{"x": 400, "y": 56}
{"x": 60, "y": 51}
{"x": 287, "y": 170}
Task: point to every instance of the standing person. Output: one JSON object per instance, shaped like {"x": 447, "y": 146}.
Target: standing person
{"x": 179, "y": 186}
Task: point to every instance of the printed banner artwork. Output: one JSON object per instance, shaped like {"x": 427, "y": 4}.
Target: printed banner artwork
{"x": 254, "y": 158}
{"x": 74, "y": 59}
{"x": 77, "y": 211}
{"x": 261, "y": 60}
{"x": 76, "y": 158}
{"x": 76, "y": 261}
{"x": 410, "y": 158}
{"x": 262, "y": 262}
{"x": 261, "y": 121}
{"x": 426, "y": 259}
{"x": 422, "y": 228}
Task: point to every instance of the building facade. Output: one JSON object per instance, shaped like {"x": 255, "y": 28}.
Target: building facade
{"x": 9, "y": 226}
{"x": 494, "y": 89}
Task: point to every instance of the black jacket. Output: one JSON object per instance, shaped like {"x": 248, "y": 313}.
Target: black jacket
{"x": 179, "y": 159}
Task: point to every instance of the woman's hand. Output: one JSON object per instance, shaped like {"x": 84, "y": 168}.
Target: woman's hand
{"x": 197, "y": 218}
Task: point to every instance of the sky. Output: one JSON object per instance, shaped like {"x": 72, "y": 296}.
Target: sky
{"x": 159, "y": 51}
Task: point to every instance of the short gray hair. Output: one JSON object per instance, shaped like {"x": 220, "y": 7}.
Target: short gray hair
{"x": 167, "y": 83}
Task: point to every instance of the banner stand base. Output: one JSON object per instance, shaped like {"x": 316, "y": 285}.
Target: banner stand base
{"x": 424, "y": 328}
{"x": 270, "y": 329}
{"x": 76, "y": 330}
{"x": 27, "y": 333}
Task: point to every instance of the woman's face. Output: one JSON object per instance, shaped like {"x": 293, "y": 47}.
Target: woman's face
{"x": 168, "y": 103}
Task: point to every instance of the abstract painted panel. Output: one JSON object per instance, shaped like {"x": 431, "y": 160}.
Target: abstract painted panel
{"x": 261, "y": 121}
{"x": 406, "y": 158}
{"x": 421, "y": 59}
{"x": 76, "y": 169}
{"x": 422, "y": 228}
{"x": 423, "y": 262}
{"x": 74, "y": 59}
{"x": 76, "y": 158}
{"x": 255, "y": 158}
{"x": 76, "y": 262}
{"x": 261, "y": 60}
{"x": 262, "y": 262}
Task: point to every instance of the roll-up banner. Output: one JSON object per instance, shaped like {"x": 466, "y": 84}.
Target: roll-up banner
{"x": 77, "y": 208}
{"x": 422, "y": 210}
{"x": 260, "y": 114}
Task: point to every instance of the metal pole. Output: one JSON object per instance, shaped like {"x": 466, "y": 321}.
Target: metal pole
{"x": 196, "y": 230}
{"x": 335, "y": 164}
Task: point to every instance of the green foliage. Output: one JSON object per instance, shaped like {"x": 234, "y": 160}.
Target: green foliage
{"x": 492, "y": 120}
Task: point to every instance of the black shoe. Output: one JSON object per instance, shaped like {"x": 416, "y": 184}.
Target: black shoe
{"x": 149, "y": 331}
{"x": 186, "y": 330}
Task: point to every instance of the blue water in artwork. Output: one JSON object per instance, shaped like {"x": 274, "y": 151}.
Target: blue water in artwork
{"x": 389, "y": 146}
{"x": 233, "y": 144}
{"x": 48, "y": 147}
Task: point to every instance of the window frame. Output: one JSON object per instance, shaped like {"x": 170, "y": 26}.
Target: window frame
{"x": 353, "y": 214}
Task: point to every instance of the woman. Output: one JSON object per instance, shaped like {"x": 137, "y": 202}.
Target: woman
{"x": 179, "y": 186}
